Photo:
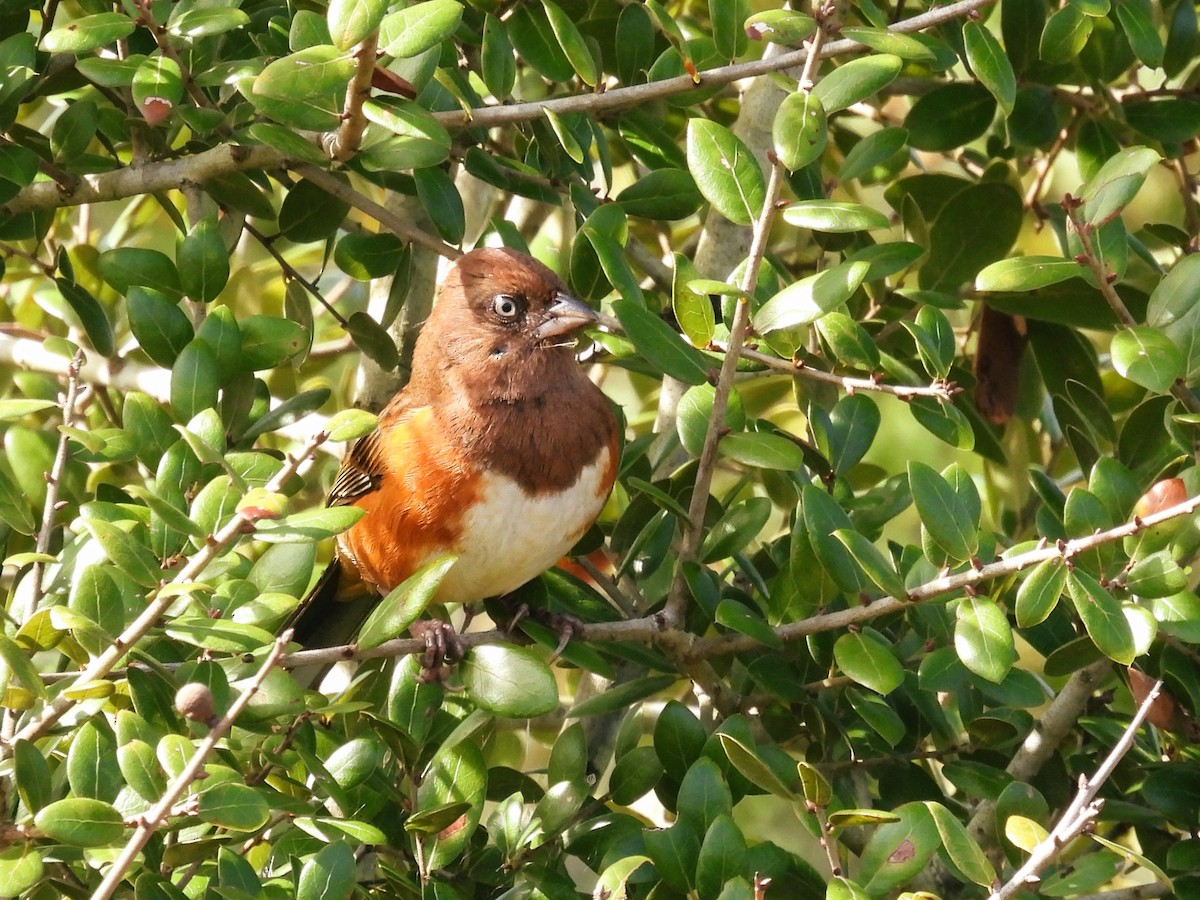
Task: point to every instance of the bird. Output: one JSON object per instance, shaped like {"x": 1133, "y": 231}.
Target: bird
{"x": 499, "y": 450}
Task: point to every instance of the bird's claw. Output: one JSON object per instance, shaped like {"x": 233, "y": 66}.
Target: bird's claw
{"x": 441, "y": 646}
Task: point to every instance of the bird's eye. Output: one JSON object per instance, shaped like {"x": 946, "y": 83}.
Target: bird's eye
{"x": 505, "y": 306}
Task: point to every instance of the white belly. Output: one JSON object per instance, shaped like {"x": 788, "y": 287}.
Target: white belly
{"x": 510, "y": 538}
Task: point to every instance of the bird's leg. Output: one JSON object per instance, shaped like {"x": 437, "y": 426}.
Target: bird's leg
{"x": 564, "y": 625}
{"x": 441, "y": 646}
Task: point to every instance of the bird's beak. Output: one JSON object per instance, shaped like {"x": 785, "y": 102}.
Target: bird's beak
{"x": 567, "y": 314}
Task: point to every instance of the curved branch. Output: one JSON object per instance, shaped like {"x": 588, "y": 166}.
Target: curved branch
{"x": 145, "y": 178}
{"x": 643, "y": 93}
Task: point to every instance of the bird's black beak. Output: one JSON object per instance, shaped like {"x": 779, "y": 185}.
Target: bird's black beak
{"x": 565, "y": 315}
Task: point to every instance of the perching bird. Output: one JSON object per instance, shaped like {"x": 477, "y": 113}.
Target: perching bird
{"x": 499, "y": 450}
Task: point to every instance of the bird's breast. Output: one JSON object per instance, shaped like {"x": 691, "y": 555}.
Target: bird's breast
{"x": 510, "y": 536}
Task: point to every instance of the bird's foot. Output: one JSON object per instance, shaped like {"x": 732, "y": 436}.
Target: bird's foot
{"x": 442, "y": 646}
{"x": 564, "y": 625}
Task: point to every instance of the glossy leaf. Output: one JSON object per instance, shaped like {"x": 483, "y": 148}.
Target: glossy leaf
{"x": 404, "y": 604}
{"x": 1147, "y": 357}
{"x": 990, "y": 65}
{"x": 944, "y": 515}
{"x": 414, "y": 29}
{"x": 1102, "y": 617}
{"x": 807, "y": 300}
{"x": 1026, "y": 273}
{"x": 857, "y": 80}
{"x": 865, "y": 657}
{"x": 1112, "y": 188}
{"x": 799, "y": 131}
{"x": 983, "y": 639}
{"x": 1039, "y": 592}
{"x": 662, "y": 346}
{"x": 833, "y": 217}
{"x": 726, "y": 173}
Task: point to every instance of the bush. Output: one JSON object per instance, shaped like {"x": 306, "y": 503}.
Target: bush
{"x": 905, "y": 339}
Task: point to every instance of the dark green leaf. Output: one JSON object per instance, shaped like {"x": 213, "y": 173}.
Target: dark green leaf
{"x": 509, "y": 681}
{"x": 660, "y": 345}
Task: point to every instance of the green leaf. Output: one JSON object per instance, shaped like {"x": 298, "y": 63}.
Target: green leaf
{"x": 352, "y": 20}
{"x": 1027, "y": 273}
{"x": 884, "y": 41}
{"x": 194, "y": 23}
{"x": 762, "y": 450}
{"x": 125, "y": 551}
{"x": 867, "y": 658}
{"x": 158, "y": 78}
{"x": 304, "y": 89}
{"x": 666, "y": 194}
{"x": 404, "y": 604}
{"x": 351, "y": 424}
{"x": 195, "y": 380}
{"x": 91, "y": 315}
{"x": 1147, "y": 357}
{"x": 203, "y": 262}
{"x": 808, "y": 299}
{"x": 509, "y": 681}
{"x": 81, "y": 822}
{"x": 441, "y": 201}
{"x": 411, "y": 31}
{"x": 873, "y": 150}
{"x": 21, "y": 867}
{"x": 88, "y": 33}
{"x": 874, "y": 564}
{"x": 799, "y": 131}
{"x": 834, "y": 217}
{"x": 728, "y": 19}
{"x": 733, "y": 532}
{"x": 310, "y": 213}
{"x": 898, "y": 850}
{"x": 1137, "y": 21}
{"x": 268, "y": 341}
{"x": 310, "y": 525}
{"x": 757, "y": 772}
{"x": 367, "y": 256}
{"x": 822, "y": 517}
{"x": 660, "y": 344}
{"x": 1039, "y": 592}
{"x": 725, "y": 171}
{"x": 693, "y": 310}
{"x": 990, "y": 65}
{"x": 237, "y": 807}
{"x": 1116, "y": 184}
{"x": 1102, "y": 616}
{"x": 976, "y": 226}
{"x": 536, "y": 43}
{"x": 457, "y": 774}
{"x": 1065, "y": 34}
{"x": 943, "y": 513}
{"x": 373, "y": 340}
{"x": 950, "y": 116}
{"x": 983, "y": 638}
{"x": 621, "y": 696}
{"x": 162, "y": 329}
{"x": 962, "y": 849}
{"x": 497, "y": 66}
{"x": 856, "y": 80}
{"x": 573, "y": 45}
{"x": 780, "y": 26}
{"x": 329, "y": 875}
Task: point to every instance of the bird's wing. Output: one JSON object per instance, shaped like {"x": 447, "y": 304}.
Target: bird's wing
{"x": 361, "y": 471}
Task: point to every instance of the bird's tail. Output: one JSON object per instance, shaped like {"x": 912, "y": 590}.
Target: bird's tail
{"x": 329, "y": 615}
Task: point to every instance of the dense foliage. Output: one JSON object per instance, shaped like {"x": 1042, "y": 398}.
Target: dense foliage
{"x": 905, "y": 322}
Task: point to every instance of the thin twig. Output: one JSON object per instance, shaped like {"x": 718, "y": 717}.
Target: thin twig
{"x": 53, "y": 485}
{"x": 693, "y": 528}
{"x": 943, "y": 391}
{"x": 225, "y": 158}
{"x": 688, "y": 648}
{"x": 1082, "y": 811}
{"x": 334, "y": 186}
{"x": 158, "y": 601}
{"x": 293, "y": 273}
{"x": 633, "y": 95}
{"x": 342, "y": 144}
{"x": 153, "y": 818}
